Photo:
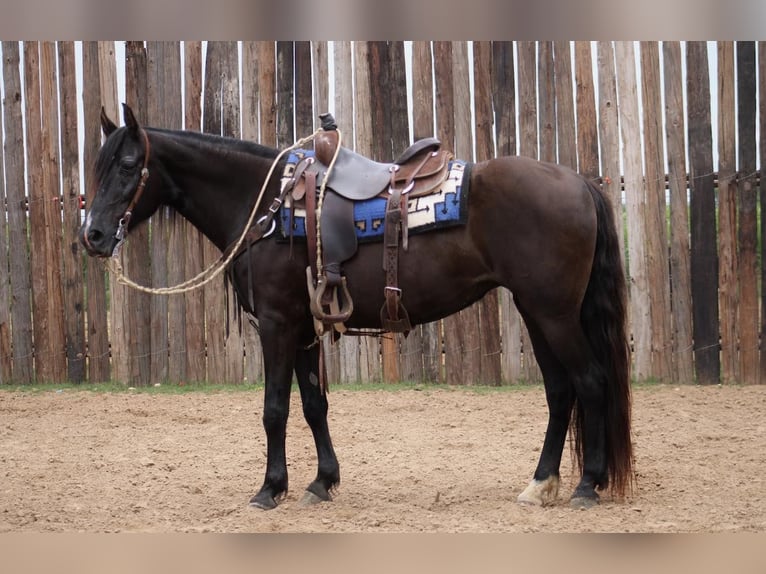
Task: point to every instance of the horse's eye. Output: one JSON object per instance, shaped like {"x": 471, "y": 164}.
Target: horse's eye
{"x": 127, "y": 165}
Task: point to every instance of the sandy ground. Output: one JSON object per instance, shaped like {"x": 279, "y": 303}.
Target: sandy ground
{"x": 428, "y": 460}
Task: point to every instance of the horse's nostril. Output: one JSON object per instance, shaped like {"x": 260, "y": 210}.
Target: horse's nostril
{"x": 94, "y": 235}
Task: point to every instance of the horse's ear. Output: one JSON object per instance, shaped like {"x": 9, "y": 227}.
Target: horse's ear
{"x": 106, "y": 124}
{"x": 130, "y": 119}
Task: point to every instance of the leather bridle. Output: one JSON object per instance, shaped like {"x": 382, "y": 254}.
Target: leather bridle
{"x": 122, "y": 227}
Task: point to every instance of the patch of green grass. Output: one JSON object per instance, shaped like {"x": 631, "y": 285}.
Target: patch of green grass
{"x": 201, "y": 387}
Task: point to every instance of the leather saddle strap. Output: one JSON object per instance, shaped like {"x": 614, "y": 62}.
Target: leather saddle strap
{"x": 311, "y": 218}
{"x": 391, "y": 253}
{"x": 413, "y": 174}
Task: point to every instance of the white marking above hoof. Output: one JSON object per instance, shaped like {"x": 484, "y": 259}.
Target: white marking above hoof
{"x": 540, "y": 492}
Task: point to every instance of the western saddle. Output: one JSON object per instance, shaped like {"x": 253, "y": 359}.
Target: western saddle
{"x": 419, "y": 170}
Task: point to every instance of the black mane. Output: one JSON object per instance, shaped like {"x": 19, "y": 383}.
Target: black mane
{"x": 203, "y": 140}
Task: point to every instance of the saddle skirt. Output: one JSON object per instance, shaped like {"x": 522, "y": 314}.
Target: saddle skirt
{"x": 444, "y": 206}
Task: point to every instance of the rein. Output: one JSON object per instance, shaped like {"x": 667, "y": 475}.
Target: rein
{"x": 206, "y": 275}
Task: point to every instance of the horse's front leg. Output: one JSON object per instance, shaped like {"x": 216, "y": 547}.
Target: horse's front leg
{"x": 279, "y": 343}
{"x": 315, "y": 411}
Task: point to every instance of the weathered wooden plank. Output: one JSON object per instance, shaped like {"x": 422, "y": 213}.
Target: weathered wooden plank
{"x": 267, "y": 86}
{"x": 5, "y": 282}
{"x": 304, "y": 106}
{"x": 378, "y": 57}
{"x": 164, "y": 90}
{"x": 20, "y": 289}
{"x": 253, "y": 365}
{"x": 679, "y": 214}
{"x": 136, "y": 251}
{"x": 285, "y": 109}
{"x": 230, "y": 127}
{"x": 370, "y": 366}
{"x": 39, "y": 86}
{"x": 51, "y": 195}
{"x": 762, "y": 149}
{"x": 423, "y": 126}
{"x": 640, "y": 323}
{"x": 410, "y": 347}
{"x": 215, "y": 307}
{"x": 321, "y": 75}
{"x": 566, "y": 134}
{"x": 528, "y": 146}
{"x": 196, "y": 363}
{"x": 656, "y": 213}
{"x": 727, "y": 214}
{"x": 488, "y": 312}
{"x": 344, "y": 116}
{"x": 587, "y": 134}
{"x": 547, "y": 102}
{"x": 748, "y": 316}
{"x": 72, "y": 255}
{"x": 504, "y": 103}
{"x": 704, "y": 257}
{"x": 609, "y": 135}
{"x": 96, "y": 312}
{"x": 118, "y": 335}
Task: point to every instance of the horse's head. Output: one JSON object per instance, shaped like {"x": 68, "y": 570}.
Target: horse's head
{"x": 121, "y": 176}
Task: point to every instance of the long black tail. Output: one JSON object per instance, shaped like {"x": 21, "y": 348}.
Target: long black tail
{"x": 603, "y": 316}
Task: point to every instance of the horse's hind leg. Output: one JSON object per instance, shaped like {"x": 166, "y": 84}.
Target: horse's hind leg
{"x": 315, "y": 412}
{"x": 566, "y": 339}
{"x": 559, "y": 395}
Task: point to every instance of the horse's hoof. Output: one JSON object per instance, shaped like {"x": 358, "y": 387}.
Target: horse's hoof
{"x": 264, "y": 502}
{"x": 540, "y": 492}
{"x": 583, "y": 502}
{"x": 315, "y": 494}
{"x": 310, "y": 499}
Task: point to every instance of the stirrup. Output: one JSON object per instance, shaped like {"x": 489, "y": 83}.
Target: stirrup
{"x": 315, "y": 300}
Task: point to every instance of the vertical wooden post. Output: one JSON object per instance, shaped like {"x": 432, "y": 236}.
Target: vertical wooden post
{"x": 423, "y": 126}
{"x": 410, "y": 347}
{"x": 488, "y": 312}
{"x": 547, "y": 96}
{"x": 137, "y": 305}
{"x": 528, "y": 146}
{"x": 370, "y": 366}
{"x": 285, "y": 74}
{"x": 727, "y": 214}
{"x": 344, "y": 116}
{"x": 163, "y": 72}
{"x": 609, "y": 136}
{"x": 196, "y": 363}
{"x": 704, "y": 257}
{"x": 5, "y": 280}
{"x": 656, "y": 213}
{"x": 72, "y": 255}
{"x": 267, "y": 86}
{"x": 762, "y": 120}
{"x": 97, "y": 329}
{"x": 636, "y": 209}
{"x": 748, "y": 315}
{"x": 587, "y": 138}
{"x": 253, "y": 368}
{"x": 215, "y": 307}
{"x": 566, "y": 134}
{"x": 504, "y": 103}
{"x": 230, "y": 127}
{"x": 21, "y": 311}
{"x": 679, "y": 214}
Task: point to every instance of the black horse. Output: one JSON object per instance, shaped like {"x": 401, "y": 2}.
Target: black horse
{"x": 538, "y": 229}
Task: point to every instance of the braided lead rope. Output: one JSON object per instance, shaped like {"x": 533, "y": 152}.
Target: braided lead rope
{"x": 115, "y": 266}
{"x": 320, "y": 201}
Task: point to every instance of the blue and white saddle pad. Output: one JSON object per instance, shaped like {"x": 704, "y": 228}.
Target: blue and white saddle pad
{"x": 446, "y": 208}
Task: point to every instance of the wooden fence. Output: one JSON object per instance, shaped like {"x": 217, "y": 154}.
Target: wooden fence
{"x": 690, "y": 223}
